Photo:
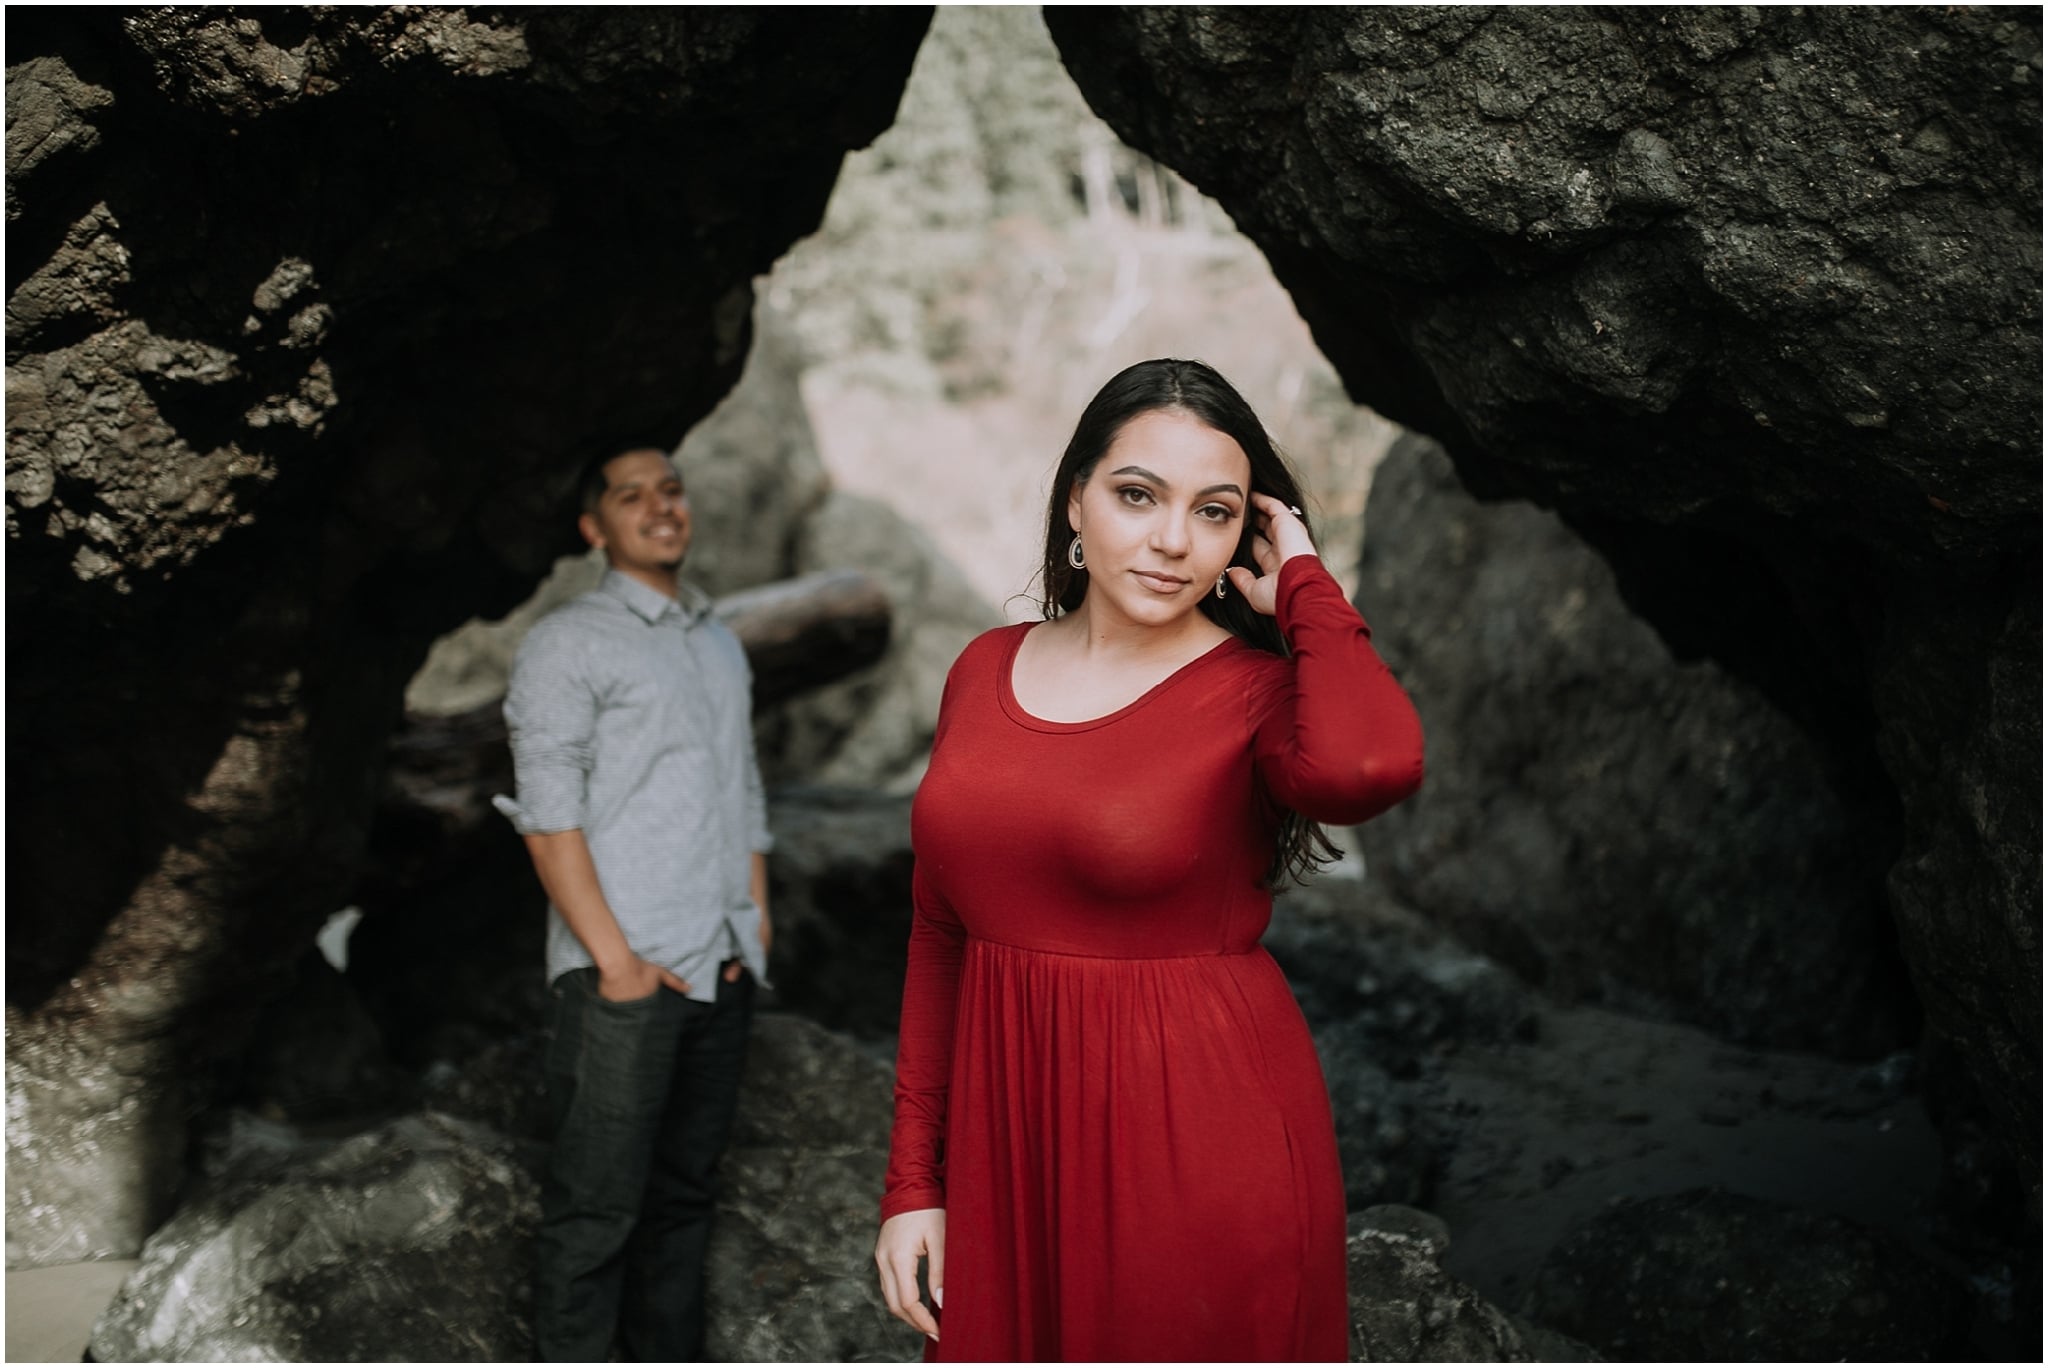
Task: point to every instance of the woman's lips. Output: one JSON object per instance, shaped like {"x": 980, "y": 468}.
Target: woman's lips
{"x": 1160, "y": 584}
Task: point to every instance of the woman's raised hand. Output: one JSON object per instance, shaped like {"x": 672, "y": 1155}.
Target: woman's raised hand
{"x": 907, "y": 1236}
{"x": 1278, "y": 536}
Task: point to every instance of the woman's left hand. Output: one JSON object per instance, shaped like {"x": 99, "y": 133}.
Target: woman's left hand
{"x": 1278, "y": 536}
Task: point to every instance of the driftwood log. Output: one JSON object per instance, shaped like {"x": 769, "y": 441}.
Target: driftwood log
{"x": 805, "y": 632}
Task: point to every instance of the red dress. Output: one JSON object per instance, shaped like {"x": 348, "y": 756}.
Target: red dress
{"x": 1102, "y": 1076}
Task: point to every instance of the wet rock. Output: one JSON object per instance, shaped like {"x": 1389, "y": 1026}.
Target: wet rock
{"x": 1618, "y": 825}
{"x": 1706, "y": 1275}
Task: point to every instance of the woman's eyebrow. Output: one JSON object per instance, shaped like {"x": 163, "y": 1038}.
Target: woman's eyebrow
{"x": 1145, "y": 474}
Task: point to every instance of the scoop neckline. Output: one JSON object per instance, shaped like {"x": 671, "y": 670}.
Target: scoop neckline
{"x": 1007, "y": 695}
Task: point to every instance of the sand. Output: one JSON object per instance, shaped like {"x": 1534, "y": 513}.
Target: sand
{"x": 50, "y": 1311}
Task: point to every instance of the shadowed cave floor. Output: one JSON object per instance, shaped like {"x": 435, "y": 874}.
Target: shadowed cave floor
{"x": 1603, "y": 1107}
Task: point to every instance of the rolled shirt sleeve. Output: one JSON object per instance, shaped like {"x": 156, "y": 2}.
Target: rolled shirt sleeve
{"x": 551, "y": 716}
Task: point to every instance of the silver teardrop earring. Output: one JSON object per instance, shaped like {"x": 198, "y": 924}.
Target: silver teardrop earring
{"x": 1220, "y": 579}
{"x": 1074, "y": 557}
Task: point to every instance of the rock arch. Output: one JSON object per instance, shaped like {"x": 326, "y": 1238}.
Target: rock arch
{"x": 311, "y": 314}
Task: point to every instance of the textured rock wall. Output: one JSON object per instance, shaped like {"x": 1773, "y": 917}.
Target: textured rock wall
{"x": 1751, "y": 296}
{"x": 312, "y": 313}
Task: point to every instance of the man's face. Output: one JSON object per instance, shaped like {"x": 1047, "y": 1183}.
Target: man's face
{"x": 643, "y": 520}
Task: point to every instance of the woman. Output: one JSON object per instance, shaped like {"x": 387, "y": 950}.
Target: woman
{"x": 1112, "y": 1139}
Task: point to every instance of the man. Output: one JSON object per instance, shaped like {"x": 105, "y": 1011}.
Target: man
{"x": 641, "y": 805}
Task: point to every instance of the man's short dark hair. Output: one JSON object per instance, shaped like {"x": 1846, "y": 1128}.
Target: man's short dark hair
{"x": 591, "y": 483}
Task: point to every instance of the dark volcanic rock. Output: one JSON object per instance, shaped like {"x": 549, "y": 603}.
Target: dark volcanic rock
{"x": 1617, "y": 825}
{"x": 413, "y": 1242}
{"x": 313, "y": 314}
{"x": 1707, "y": 1275}
{"x": 1751, "y": 295}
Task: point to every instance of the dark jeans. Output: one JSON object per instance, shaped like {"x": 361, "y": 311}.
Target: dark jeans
{"x": 643, "y": 1095}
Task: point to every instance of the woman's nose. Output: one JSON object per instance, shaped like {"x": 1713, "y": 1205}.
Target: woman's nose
{"x": 1170, "y": 534}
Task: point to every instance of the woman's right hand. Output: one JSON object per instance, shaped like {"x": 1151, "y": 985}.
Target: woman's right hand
{"x": 906, "y": 1237}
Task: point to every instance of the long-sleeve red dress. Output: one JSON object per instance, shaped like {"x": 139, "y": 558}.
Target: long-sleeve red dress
{"x": 1102, "y": 1076}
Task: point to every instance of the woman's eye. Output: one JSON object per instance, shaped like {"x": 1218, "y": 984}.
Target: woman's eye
{"x": 1216, "y": 513}
{"x": 1135, "y": 494}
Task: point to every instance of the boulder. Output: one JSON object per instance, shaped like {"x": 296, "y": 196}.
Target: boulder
{"x": 1706, "y": 1275}
{"x": 413, "y": 1241}
{"x": 1717, "y": 266}
{"x": 410, "y": 1242}
{"x": 1616, "y": 824}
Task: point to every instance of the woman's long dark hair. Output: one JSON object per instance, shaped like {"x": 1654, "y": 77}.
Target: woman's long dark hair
{"x": 1196, "y": 389}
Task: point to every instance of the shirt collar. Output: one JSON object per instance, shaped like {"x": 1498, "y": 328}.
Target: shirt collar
{"x": 691, "y": 603}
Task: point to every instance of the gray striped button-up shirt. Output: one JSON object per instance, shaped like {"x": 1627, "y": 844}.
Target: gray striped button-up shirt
{"x": 630, "y": 719}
